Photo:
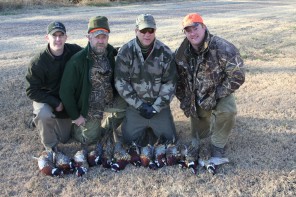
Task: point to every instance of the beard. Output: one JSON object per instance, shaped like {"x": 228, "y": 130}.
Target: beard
{"x": 99, "y": 49}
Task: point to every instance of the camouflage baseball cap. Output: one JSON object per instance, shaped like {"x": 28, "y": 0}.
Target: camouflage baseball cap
{"x": 56, "y": 26}
{"x": 98, "y": 23}
{"x": 145, "y": 21}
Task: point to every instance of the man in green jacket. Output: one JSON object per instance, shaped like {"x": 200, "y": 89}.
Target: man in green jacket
{"x": 87, "y": 88}
{"x": 145, "y": 76}
{"x": 44, "y": 75}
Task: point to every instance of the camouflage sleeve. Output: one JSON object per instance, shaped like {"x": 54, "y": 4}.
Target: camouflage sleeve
{"x": 181, "y": 80}
{"x": 168, "y": 87}
{"x": 153, "y": 83}
{"x": 122, "y": 78}
{"x": 235, "y": 75}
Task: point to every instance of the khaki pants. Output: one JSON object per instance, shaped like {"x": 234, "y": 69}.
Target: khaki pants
{"x": 134, "y": 126}
{"x": 52, "y": 130}
{"x": 216, "y": 123}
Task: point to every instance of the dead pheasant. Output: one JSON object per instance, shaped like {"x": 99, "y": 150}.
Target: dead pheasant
{"x": 192, "y": 157}
{"x": 63, "y": 162}
{"x": 134, "y": 152}
{"x": 146, "y": 157}
{"x": 181, "y": 155}
{"x": 211, "y": 164}
{"x": 171, "y": 154}
{"x": 95, "y": 156}
{"x": 81, "y": 165}
{"x": 159, "y": 153}
{"x": 120, "y": 158}
{"x": 108, "y": 147}
{"x": 46, "y": 164}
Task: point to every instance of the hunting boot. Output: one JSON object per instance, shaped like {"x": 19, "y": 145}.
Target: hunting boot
{"x": 217, "y": 152}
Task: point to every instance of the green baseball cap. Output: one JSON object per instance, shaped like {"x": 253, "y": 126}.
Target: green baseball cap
{"x": 56, "y": 26}
{"x": 145, "y": 21}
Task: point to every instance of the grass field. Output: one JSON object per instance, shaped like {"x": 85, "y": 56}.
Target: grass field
{"x": 262, "y": 144}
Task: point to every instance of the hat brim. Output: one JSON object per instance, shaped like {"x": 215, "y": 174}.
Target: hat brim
{"x": 56, "y": 30}
{"x": 194, "y": 24}
{"x": 99, "y": 32}
{"x": 144, "y": 26}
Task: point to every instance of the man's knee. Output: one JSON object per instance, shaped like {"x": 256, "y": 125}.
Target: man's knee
{"x": 43, "y": 113}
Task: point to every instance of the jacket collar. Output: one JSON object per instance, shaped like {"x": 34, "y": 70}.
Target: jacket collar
{"x": 52, "y": 57}
{"x": 185, "y": 50}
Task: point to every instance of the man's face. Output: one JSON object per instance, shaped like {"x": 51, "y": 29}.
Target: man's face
{"x": 146, "y": 36}
{"x": 56, "y": 41}
{"x": 195, "y": 34}
{"x": 98, "y": 43}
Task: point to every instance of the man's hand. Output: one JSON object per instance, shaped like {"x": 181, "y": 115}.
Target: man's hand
{"x": 79, "y": 121}
{"x": 147, "y": 111}
{"x": 60, "y": 107}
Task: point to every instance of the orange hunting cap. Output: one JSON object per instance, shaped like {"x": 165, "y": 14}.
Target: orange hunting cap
{"x": 191, "y": 19}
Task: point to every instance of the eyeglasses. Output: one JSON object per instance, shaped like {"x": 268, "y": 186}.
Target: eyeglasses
{"x": 149, "y": 30}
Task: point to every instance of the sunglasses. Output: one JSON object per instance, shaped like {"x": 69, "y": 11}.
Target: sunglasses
{"x": 149, "y": 30}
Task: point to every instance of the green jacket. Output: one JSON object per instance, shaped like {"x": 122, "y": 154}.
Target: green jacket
{"x": 76, "y": 83}
{"x": 44, "y": 75}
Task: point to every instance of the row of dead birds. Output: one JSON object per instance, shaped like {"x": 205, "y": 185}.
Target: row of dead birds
{"x": 112, "y": 154}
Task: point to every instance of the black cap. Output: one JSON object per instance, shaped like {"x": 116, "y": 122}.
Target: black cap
{"x": 56, "y": 26}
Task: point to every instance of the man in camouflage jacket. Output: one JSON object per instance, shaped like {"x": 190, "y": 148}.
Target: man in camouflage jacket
{"x": 87, "y": 87}
{"x": 210, "y": 70}
{"x": 145, "y": 76}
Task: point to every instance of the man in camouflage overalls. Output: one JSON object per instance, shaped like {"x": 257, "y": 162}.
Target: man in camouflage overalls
{"x": 210, "y": 70}
{"x": 145, "y": 76}
{"x": 87, "y": 87}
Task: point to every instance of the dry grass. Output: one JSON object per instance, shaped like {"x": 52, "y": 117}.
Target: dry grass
{"x": 263, "y": 142}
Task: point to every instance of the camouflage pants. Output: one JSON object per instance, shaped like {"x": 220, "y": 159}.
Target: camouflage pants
{"x": 216, "y": 123}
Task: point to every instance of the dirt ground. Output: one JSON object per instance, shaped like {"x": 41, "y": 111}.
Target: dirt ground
{"x": 262, "y": 144}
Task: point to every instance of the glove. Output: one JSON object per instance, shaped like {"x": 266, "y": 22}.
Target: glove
{"x": 147, "y": 111}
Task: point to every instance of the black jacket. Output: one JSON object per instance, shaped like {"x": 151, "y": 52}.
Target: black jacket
{"x": 44, "y": 75}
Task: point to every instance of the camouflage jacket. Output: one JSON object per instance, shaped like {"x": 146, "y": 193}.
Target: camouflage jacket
{"x": 151, "y": 81}
{"x": 204, "y": 78}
